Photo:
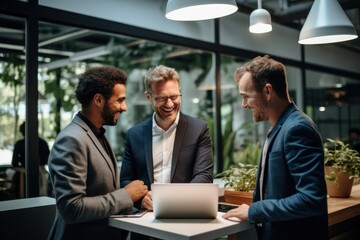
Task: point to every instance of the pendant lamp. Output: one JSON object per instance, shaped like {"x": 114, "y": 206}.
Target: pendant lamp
{"x": 326, "y": 23}
{"x": 194, "y": 10}
{"x": 260, "y": 20}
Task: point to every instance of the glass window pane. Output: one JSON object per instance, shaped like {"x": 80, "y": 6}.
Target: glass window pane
{"x": 12, "y": 80}
{"x": 334, "y": 103}
{"x": 65, "y": 52}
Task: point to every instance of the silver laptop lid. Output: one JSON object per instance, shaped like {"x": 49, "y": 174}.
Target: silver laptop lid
{"x": 185, "y": 200}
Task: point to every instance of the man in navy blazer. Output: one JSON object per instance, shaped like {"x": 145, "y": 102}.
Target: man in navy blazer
{"x": 290, "y": 195}
{"x": 170, "y": 147}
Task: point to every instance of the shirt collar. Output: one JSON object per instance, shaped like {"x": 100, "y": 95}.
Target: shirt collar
{"x": 158, "y": 129}
{"x": 99, "y": 132}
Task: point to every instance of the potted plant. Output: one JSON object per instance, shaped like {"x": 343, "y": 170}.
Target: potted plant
{"x": 239, "y": 180}
{"x": 342, "y": 165}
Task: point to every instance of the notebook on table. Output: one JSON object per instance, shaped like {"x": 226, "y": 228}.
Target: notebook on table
{"x": 185, "y": 200}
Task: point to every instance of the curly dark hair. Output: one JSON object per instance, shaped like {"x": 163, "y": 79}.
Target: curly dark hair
{"x": 98, "y": 80}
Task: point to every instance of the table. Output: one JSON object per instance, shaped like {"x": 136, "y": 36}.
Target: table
{"x": 341, "y": 209}
{"x": 344, "y": 216}
{"x": 180, "y": 229}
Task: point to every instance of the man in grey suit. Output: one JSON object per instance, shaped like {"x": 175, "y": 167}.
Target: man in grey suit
{"x": 170, "y": 147}
{"x": 83, "y": 167}
{"x": 290, "y": 194}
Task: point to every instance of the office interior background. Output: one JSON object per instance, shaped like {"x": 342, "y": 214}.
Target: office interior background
{"x": 45, "y": 45}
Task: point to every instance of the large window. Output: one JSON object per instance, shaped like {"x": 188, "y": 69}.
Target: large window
{"x": 12, "y": 84}
{"x": 67, "y": 48}
{"x": 65, "y": 52}
{"x": 334, "y": 102}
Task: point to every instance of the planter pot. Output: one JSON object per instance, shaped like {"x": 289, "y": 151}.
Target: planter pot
{"x": 236, "y": 197}
{"x": 341, "y": 187}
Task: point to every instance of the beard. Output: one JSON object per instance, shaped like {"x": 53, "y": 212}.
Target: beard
{"x": 109, "y": 116}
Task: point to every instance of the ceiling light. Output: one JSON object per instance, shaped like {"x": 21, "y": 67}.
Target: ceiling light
{"x": 326, "y": 23}
{"x": 260, "y": 20}
{"x": 194, "y": 10}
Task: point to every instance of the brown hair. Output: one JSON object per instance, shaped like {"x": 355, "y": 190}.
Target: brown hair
{"x": 158, "y": 74}
{"x": 266, "y": 70}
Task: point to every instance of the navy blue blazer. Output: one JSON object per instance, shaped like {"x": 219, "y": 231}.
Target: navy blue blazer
{"x": 294, "y": 190}
{"x": 192, "y": 159}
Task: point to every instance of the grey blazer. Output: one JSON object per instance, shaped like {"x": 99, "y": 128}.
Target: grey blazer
{"x": 192, "y": 159}
{"x": 86, "y": 185}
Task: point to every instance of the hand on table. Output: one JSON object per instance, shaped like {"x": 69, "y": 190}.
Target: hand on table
{"x": 147, "y": 202}
{"x": 240, "y": 213}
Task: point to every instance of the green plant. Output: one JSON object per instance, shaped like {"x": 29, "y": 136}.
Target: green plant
{"x": 340, "y": 155}
{"x": 249, "y": 155}
{"x": 241, "y": 178}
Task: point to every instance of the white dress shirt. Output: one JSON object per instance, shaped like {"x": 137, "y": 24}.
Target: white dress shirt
{"x": 162, "y": 147}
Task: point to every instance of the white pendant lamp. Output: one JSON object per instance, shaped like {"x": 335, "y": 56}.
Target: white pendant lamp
{"x": 326, "y": 23}
{"x": 260, "y": 20}
{"x": 194, "y": 10}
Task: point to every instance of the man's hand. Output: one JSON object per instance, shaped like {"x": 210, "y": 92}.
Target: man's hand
{"x": 241, "y": 213}
{"x": 136, "y": 189}
{"x": 147, "y": 202}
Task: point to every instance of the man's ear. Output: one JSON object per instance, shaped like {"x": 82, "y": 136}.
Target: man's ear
{"x": 148, "y": 97}
{"x": 98, "y": 98}
{"x": 268, "y": 90}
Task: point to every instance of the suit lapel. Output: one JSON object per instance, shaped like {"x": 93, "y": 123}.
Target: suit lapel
{"x": 274, "y": 132}
{"x": 110, "y": 160}
{"x": 179, "y": 138}
{"x": 147, "y": 133}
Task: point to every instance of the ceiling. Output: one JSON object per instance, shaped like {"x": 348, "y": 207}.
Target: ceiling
{"x": 293, "y": 13}
{"x": 64, "y": 44}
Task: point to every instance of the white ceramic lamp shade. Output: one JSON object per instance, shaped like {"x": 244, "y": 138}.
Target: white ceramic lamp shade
{"x": 260, "y": 21}
{"x": 194, "y": 10}
{"x": 326, "y": 23}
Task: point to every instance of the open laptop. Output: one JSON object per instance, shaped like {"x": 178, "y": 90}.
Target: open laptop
{"x": 185, "y": 200}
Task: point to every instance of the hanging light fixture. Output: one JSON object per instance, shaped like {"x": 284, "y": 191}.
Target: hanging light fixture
{"x": 194, "y": 10}
{"x": 260, "y": 20}
{"x": 326, "y": 23}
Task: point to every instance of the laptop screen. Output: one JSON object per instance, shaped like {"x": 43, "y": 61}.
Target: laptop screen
{"x": 185, "y": 200}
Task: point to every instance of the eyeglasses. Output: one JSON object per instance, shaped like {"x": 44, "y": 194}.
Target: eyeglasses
{"x": 164, "y": 99}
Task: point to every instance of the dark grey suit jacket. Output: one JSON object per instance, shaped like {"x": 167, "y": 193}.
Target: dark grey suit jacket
{"x": 192, "y": 159}
{"x": 86, "y": 185}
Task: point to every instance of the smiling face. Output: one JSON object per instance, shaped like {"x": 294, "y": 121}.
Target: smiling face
{"x": 166, "y": 112}
{"x": 115, "y": 105}
{"x": 253, "y": 100}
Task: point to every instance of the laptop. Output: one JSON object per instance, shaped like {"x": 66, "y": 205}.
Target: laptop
{"x": 185, "y": 200}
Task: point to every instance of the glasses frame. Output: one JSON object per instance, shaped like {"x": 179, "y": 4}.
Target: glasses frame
{"x": 164, "y": 99}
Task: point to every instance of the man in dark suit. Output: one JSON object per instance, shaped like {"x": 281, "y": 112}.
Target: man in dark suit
{"x": 82, "y": 165}
{"x": 171, "y": 147}
{"x": 290, "y": 194}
